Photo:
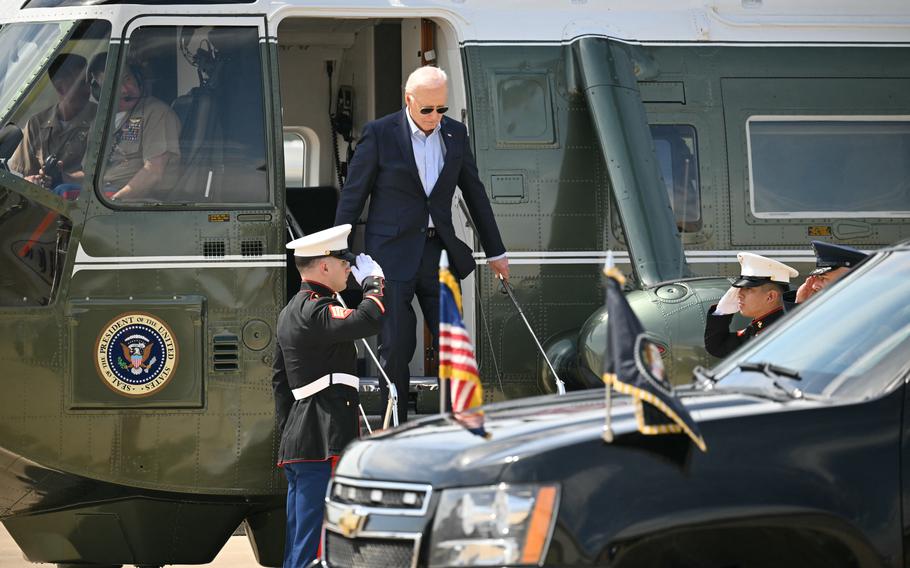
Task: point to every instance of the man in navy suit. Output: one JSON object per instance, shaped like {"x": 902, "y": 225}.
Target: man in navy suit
{"x": 409, "y": 164}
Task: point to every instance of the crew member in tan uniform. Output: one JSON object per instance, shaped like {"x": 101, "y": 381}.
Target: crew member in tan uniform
{"x": 54, "y": 142}
{"x": 144, "y": 159}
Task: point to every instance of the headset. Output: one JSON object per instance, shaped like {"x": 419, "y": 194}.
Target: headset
{"x": 97, "y": 65}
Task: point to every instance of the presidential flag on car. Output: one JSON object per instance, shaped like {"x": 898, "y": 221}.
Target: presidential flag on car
{"x": 456, "y": 354}
{"x": 634, "y": 367}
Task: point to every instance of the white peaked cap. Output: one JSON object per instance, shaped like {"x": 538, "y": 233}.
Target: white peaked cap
{"x": 322, "y": 243}
{"x": 757, "y": 266}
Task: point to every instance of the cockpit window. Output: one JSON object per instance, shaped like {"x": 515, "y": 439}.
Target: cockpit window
{"x": 24, "y": 51}
{"x": 189, "y": 123}
{"x": 55, "y": 112}
{"x": 837, "y": 356}
{"x": 677, "y": 157}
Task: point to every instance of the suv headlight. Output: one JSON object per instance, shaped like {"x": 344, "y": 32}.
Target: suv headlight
{"x": 498, "y": 525}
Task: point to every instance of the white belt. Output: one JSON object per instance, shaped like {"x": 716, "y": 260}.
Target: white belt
{"x": 325, "y": 382}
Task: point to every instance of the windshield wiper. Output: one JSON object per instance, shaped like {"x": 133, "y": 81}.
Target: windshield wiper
{"x": 773, "y": 372}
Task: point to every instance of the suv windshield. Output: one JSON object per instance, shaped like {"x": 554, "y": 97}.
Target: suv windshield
{"x": 853, "y": 343}
{"x": 24, "y": 50}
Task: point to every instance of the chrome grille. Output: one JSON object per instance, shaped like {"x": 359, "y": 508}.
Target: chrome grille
{"x": 368, "y": 552}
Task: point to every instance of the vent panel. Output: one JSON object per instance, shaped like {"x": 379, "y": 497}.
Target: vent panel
{"x": 250, "y": 248}
{"x": 211, "y": 249}
{"x": 226, "y": 353}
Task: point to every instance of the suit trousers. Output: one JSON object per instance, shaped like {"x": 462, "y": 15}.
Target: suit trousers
{"x": 307, "y": 484}
{"x": 398, "y": 338}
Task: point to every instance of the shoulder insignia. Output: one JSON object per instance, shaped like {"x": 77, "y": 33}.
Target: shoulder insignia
{"x": 338, "y": 312}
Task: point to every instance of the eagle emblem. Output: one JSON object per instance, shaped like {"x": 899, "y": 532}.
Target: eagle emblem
{"x": 351, "y": 523}
{"x": 136, "y": 354}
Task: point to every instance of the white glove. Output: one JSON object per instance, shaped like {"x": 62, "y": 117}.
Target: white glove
{"x": 729, "y": 303}
{"x": 365, "y": 267}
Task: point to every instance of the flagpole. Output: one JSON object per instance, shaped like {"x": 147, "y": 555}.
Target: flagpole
{"x": 443, "y": 263}
{"x": 608, "y": 418}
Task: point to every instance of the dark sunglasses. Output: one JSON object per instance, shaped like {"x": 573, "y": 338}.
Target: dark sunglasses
{"x": 439, "y": 109}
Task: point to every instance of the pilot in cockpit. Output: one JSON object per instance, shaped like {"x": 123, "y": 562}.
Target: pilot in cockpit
{"x": 144, "y": 156}
{"x": 55, "y": 139}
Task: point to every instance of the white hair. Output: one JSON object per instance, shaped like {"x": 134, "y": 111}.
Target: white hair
{"x": 426, "y": 76}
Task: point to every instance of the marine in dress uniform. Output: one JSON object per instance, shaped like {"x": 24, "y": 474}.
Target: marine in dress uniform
{"x": 757, "y": 293}
{"x": 315, "y": 388}
{"x": 832, "y": 262}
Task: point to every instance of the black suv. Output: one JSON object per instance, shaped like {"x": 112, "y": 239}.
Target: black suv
{"x": 806, "y": 463}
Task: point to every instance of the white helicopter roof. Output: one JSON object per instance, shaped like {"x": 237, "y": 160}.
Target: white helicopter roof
{"x": 830, "y": 22}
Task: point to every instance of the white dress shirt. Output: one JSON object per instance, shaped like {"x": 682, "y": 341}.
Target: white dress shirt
{"x": 429, "y": 153}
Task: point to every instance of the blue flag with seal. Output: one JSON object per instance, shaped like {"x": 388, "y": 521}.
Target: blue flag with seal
{"x": 635, "y": 368}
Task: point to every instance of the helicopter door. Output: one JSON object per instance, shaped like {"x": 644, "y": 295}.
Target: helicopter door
{"x": 182, "y": 239}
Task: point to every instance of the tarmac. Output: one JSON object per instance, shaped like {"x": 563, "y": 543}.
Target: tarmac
{"x": 237, "y": 553}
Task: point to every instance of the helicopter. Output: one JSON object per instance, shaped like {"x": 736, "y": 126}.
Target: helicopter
{"x": 137, "y": 329}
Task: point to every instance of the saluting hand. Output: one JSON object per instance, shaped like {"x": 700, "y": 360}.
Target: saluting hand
{"x": 365, "y": 267}
{"x": 729, "y": 303}
{"x": 809, "y": 288}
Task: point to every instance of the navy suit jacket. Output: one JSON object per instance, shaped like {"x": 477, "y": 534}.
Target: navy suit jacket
{"x": 383, "y": 168}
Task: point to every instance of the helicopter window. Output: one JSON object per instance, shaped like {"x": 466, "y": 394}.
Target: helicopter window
{"x": 57, "y": 113}
{"x": 189, "y": 124}
{"x": 295, "y": 159}
{"x": 33, "y": 244}
{"x": 301, "y": 157}
{"x": 829, "y": 166}
{"x": 677, "y": 157}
